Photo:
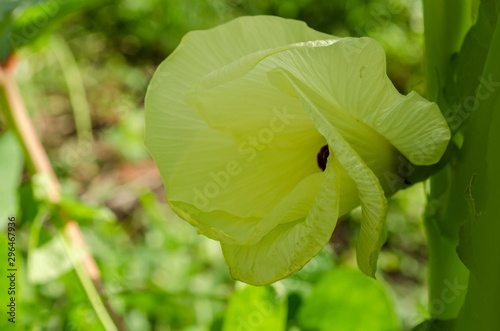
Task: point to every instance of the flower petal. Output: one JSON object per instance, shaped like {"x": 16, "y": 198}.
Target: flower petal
{"x": 250, "y": 106}
{"x": 229, "y": 200}
{"x": 291, "y": 244}
{"x": 194, "y": 158}
{"x": 269, "y": 195}
{"x": 370, "y": 192}
{"x": 251, "y": 97}
{"x": 350, "y": 74}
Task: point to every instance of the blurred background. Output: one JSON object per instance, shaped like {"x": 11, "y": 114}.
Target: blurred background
{"x": 84, "y": 82}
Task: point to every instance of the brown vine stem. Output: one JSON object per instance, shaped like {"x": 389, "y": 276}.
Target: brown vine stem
{"x": 38, "y": 164}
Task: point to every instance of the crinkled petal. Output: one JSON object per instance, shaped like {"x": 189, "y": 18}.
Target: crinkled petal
{"x": 194, "y": 159}
{"x": 370, "y": 192}
{"x": 351, "y": 75}
{"x": 239, "y": 192}
{"x": 291, "y": 244}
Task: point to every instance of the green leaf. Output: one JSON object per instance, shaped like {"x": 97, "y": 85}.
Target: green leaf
{"x": 348, "y": 300}
{"x": 479, "y": 178}
{"x": 43, "y": 18}
{"x": 467, "y": 66}
{"x": 83, "y": 213}
{"x": 11, "y": 169}
{"x": 448, "y": 210}
{"x": 446, "y": 24}
{"x": 48, "y": 262}
{"x": 6, "y": 7}
{"x": 28, "y": 205}
{"x": 7, "y": 18}
{"x": 5, "y": 28}
{"x": 256, "y": 308}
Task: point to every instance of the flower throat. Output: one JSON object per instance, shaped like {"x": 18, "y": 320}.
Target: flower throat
{"x": 323, "y": 157}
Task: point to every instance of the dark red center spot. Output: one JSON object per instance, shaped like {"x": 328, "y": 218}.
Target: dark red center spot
{"x": 323, "y": 157}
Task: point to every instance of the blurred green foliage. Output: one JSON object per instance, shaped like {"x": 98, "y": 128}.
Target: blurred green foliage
{"x": 157, "y": 272}
{"x": 10, "y": 175}
{"x": 349, "y": 301}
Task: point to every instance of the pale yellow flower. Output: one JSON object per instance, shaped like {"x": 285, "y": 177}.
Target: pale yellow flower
{"x": 237, "y": 116}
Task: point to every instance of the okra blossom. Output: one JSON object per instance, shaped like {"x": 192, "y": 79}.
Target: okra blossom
{"x": 266, "y": 131}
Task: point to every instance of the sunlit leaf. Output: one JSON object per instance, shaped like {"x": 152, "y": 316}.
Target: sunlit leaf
{"x": 347, "y": 300}
{"x": 83, "y": 213}
{"x": 48, "y": 262}
{"x": 255, "y": 308}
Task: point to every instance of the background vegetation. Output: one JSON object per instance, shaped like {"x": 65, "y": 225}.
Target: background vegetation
{"x": 83, "y": 81}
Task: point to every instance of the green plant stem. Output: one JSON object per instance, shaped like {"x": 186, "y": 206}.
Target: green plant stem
{"x": 447, "y": 277}
{"x": 76, "y": 89}
{"x": 89, "y": 280}
{"x": 38, "y": 164}
{"x": 446, "y": 23}
{"x": 18, "y": 120}
{"x": 480, "y": 242}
